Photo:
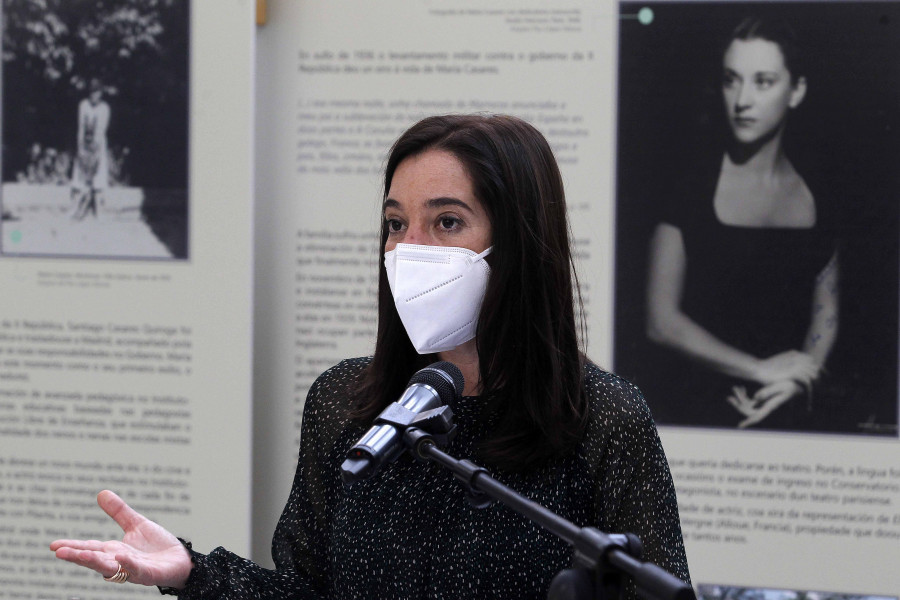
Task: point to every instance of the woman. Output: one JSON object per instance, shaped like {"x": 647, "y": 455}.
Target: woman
{"x": 551, "y": 425}
{"x": 743, "y": 274}
{"x": 90, "y": 173}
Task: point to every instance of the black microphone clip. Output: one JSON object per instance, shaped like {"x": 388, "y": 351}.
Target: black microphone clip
{"x": 435, "y": 425}
{"x": 422, "y": 413}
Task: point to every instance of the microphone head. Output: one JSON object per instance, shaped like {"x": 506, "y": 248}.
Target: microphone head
{"x": 443, "y": 376}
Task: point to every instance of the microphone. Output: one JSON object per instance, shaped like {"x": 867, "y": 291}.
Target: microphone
{"x": 429, "y": 388}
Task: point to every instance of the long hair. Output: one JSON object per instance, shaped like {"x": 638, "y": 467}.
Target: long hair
{"x": 528, "y": 349}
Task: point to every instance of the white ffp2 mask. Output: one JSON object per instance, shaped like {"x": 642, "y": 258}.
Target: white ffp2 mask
{"x": 438, "y": 291}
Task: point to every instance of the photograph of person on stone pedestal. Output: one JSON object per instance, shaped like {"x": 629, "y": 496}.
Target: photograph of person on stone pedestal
{"x": 95, "y": 129}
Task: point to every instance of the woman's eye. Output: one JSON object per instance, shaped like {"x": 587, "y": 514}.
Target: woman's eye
{"x": 765, "y": 82}
{"x": 393, "y": 225}
{"x": 449, "y": 222}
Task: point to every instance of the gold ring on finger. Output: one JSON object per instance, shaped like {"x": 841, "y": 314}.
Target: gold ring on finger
{"x": 121, "y": 575}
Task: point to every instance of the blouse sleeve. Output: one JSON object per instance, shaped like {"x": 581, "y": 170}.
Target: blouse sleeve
{"x": 300, "y": 547}
{"x": 634, "y": 492}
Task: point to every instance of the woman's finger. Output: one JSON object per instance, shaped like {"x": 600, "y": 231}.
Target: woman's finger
{"x": 735, "y": 403}
{"x": 94, "y": 545}
{"x": 107, "y": 563}
{"x": 757, "y": 416}
{"x": 740, "y": 394}
{"x": 126, "y": 517}
{"x": 771, "y": 404}
{"x": 101, "y": 562}
{"x": 753, "y": 417}
{"x": 765, "y": 394}
{"x": 771, "y": 397}
{"x": 741, "y": 402}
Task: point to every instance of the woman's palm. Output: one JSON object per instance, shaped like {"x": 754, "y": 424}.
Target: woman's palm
{"x": 150, "y": 554}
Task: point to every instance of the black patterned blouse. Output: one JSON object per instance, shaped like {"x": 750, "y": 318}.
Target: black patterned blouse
{"x": 409, "y": 533}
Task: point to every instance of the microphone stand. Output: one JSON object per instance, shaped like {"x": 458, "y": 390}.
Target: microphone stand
{"x": 601, "y": 560}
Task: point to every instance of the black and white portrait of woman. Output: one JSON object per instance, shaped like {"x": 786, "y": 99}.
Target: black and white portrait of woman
{"x": 757, "y": 230}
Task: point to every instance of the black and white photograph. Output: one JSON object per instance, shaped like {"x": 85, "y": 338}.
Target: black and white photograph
{"x": 757, "y": 214}
{"x": 729, "y": 592}
{"x": 95, "y": 129}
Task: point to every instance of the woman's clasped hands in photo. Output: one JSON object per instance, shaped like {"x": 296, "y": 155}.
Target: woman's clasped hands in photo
{"x": 785, "y": 376}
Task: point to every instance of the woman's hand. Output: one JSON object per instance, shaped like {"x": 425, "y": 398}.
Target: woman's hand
{"x": 742, "y": 402}
{"x": 150, "y": 554}
{"x": 791, "y": 365}
{"x": 764, "y": 401}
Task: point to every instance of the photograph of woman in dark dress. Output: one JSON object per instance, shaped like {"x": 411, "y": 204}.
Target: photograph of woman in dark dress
{"x": 742, "y": 300}
{"x": 756, "y": 226}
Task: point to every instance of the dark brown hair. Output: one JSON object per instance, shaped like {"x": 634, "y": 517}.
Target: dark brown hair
{"x": 530, "y": 362}
{"x": 779, "y": 32}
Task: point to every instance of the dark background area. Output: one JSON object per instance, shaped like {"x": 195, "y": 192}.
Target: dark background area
{"x": 671, "y": 114}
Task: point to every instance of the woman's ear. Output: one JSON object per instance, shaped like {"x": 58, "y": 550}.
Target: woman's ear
{"x": 798, "y": 93}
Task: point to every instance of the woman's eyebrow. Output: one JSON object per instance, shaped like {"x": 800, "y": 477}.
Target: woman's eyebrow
{"x": 447, "y": 201}
{"x": 439, "y": 202}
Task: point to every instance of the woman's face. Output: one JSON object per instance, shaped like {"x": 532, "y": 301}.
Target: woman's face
{"x": 431, "y": 202}
{"x": 757, "y": 89}
{"x": 95, "y": 92}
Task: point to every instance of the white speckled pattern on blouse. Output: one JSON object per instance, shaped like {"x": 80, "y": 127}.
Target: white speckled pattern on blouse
{"x": 408, "y": 533}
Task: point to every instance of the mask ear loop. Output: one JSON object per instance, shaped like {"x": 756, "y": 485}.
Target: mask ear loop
{"x": 480, "y": 256}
